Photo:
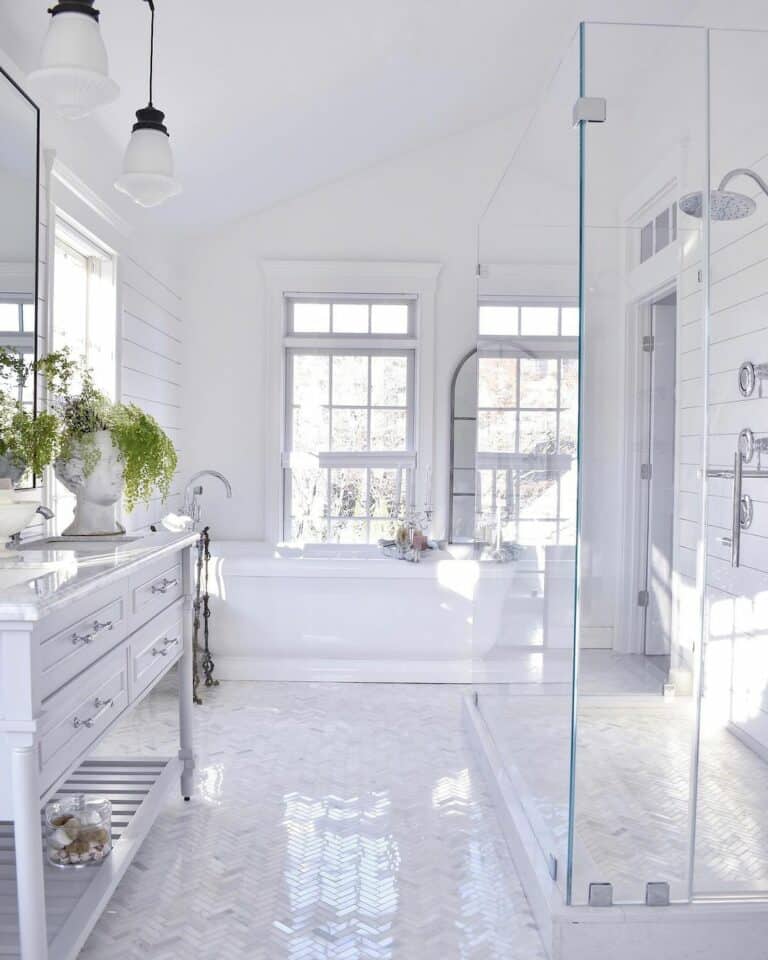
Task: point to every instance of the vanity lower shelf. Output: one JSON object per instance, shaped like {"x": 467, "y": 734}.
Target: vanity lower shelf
{"x": 76, "y": 898}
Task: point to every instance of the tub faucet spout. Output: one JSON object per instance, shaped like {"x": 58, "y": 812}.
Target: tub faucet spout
{"x": 194, "y": 490}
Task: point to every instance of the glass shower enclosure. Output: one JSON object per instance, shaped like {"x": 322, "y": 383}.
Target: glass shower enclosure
{"x": 621, "y": 491}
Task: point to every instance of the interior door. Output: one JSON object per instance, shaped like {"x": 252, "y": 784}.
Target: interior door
{"x": 661, "y": 476}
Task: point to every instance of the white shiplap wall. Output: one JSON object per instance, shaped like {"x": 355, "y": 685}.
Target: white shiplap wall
{"x": 151, "y": 360}
{"x": 149, "y": 328}
{"x": 736, "y": 669}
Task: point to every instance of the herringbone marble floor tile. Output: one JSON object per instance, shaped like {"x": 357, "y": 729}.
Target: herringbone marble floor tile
{"x": 331, "y": 822}
{"x": 633, "y": 804}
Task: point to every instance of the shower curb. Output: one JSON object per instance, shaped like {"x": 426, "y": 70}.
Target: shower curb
{"x": 702, "y": 930}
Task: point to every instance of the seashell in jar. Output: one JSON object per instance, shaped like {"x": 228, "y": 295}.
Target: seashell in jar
{"x": 60, "y": 838}
{"x": 93, "y": 835}
{"x": 72, "y": 828}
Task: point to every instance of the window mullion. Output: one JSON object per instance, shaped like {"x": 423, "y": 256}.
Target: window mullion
{"x": 369, "y": 395}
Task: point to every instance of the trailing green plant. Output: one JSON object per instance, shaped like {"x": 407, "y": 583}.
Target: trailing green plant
{"x": 149, "y": 456}
{"x": 77, "y": 411}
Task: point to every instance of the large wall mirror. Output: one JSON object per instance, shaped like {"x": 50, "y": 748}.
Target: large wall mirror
{"x": 19, "y": 217}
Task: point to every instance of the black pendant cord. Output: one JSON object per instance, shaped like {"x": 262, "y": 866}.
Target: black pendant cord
{"x": 207, "y": 662}
{"x": 151, "y": 47}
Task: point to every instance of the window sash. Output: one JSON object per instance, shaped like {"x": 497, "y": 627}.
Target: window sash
{"x": 510, "y": 468}
{"x": 403, "y": 460}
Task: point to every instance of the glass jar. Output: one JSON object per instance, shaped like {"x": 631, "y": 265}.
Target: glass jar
{"x": 78, "y": 830}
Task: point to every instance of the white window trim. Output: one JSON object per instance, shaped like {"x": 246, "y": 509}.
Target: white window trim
{"x": 286, "y": 278}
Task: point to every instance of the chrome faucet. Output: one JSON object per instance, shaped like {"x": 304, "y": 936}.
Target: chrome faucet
{"x": 15, "y": 542}
{"x": 193, "y": 490}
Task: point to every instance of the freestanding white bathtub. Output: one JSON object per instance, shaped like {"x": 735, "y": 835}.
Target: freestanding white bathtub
{"x": 319, "y": 614}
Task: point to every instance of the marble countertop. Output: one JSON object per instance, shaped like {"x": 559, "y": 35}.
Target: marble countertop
{"x": 35, "y": 582}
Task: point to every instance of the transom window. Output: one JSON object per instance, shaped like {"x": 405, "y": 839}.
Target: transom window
{"x": 349, "y": 421}
{"x": 381, "y": 317}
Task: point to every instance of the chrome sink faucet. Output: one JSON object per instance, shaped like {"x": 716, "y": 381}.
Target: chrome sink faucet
{"x": 194, "y": 490}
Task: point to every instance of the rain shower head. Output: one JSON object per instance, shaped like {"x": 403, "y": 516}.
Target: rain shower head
{"x": 725, "y": 204}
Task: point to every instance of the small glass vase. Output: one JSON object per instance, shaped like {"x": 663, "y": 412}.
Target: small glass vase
{"x": 78, "y": 830}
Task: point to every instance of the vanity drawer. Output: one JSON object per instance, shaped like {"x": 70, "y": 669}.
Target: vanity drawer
{"x": 65, "y": 653}
{"x": 155, "y": 592}
{"x": 76, "y": 716}
{"x": 155, "y": 647}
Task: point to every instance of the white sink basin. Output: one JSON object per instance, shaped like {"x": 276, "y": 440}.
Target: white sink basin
{"x": 17, "y": 508}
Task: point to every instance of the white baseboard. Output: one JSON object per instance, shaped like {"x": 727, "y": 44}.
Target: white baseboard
{"x": 596, "y": 638}
{"x": 352, "y": 671}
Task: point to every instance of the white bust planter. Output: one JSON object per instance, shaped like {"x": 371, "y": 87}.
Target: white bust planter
{"x": 97, "y": 493}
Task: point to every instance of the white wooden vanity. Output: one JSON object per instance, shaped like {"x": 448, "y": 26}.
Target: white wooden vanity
{"x": 85, "y": 633}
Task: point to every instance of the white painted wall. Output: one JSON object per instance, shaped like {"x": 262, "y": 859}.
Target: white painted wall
{"x": 424, "y": 206}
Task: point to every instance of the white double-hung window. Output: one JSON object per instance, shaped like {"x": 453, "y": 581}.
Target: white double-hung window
{"x": 350, "y": 422}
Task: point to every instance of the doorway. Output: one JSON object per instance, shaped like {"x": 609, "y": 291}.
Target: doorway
{"x": 657, "y": 423}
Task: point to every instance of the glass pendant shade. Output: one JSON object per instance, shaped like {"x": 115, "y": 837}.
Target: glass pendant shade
{"x": 73, "y": 74}
{"x": 148, "y": 174}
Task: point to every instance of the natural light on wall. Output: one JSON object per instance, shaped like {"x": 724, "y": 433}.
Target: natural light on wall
{"x": 84, "y": 319}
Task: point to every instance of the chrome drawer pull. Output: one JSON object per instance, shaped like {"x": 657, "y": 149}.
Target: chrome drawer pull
{"x": 96, "y": 629}
{"x": 101, "y": 707}
{"x": 166, "y": 644}
{"x": 164, "y": 586}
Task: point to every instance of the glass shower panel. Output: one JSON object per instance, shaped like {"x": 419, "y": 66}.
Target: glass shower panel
{"x": 525, "y": 493}
{"x": 731, "y": 852}
{"x": 641, "y": 432}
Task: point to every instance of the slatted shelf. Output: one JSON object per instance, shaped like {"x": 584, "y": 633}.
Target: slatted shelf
{"x": 75, "y": 898}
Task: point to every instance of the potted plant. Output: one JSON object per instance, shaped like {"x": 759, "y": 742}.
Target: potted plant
{"x": 101, "y": 451}
{"x": 105, "y": 451}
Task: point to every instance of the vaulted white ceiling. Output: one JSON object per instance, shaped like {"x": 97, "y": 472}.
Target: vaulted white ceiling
{"x": 267, "y": 100}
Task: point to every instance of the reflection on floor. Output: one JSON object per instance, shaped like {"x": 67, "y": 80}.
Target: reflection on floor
{"x": 632, "y": 782}
{"x": 332, "y": 822}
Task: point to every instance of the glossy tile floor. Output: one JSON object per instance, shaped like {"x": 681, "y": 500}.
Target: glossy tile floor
{"x": 632, "y": 791}
{"x": 332, "y": 822}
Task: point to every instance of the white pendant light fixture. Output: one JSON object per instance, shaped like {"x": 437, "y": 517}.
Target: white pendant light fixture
{"x": 148, "y": 176}
{"x": 73, "y": 74}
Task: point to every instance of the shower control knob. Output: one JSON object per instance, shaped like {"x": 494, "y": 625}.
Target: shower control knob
{"x": 749, "y": 374}
{"x": 747, "y": 379}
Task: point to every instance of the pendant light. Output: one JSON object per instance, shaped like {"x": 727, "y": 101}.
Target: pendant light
{"x": 147, "y": 175}
{"x": 74, "y": 72}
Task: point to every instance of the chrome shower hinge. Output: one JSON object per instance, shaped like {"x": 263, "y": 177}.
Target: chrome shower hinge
{"x": 643, "y": 598}
{"x": 589, "y": 109}
{"x": 600, "y": 895}
{"x": 648, "y": 344}
{"x": 657, "y": 894}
